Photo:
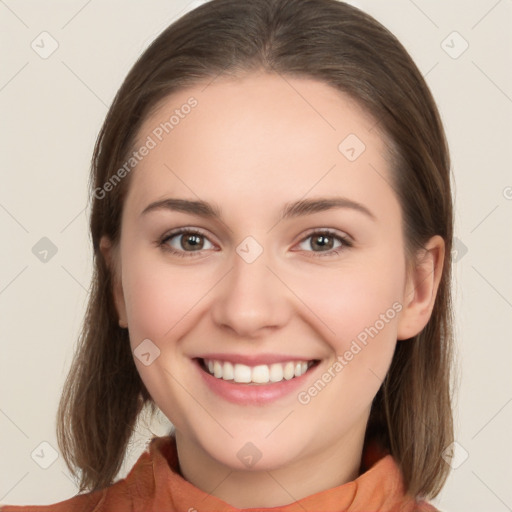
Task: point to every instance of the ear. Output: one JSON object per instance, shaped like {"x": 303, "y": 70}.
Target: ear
{"x": 421, "y": 288}
{"x": 111, "y": 259}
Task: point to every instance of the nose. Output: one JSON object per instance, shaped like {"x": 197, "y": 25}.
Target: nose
{"x": 251, "y": 300}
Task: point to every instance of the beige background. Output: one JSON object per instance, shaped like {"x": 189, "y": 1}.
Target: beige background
{"x": 52, "y": 109}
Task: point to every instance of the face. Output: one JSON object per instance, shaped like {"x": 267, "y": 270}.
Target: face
{"x": 261, "y": 241}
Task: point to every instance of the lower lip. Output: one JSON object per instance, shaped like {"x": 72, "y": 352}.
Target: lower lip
{"x": 253, "y": 394}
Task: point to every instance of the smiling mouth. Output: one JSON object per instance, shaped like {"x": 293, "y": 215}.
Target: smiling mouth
{"x": 260, "y": 374}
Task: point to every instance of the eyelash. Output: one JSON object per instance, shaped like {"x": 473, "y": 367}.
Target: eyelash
{"x": 346, "y": 243}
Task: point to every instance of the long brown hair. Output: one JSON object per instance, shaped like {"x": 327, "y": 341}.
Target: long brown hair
{"x": 341, "y": 46}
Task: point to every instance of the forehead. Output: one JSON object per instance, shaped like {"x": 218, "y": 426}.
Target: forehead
{"x": 262, "y": 135}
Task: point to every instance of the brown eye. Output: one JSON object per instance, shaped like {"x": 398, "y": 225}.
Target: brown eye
{"x": 324, "y": 242}
{"x": 192, "y": 242}
{"x": 186, "y": 241}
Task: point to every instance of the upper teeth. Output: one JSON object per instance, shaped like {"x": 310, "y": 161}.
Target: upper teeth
{"x": 261, "y": 374}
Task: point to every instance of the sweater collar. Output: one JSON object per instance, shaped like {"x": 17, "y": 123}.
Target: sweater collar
{"x": 155, "y": 479}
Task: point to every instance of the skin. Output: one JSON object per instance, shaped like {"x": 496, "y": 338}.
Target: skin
{"x": 251, "y": 145}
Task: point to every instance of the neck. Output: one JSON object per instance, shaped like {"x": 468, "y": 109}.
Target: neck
{"x": 292, "y": 481}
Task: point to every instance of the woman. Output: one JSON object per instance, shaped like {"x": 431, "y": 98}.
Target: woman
{"x": 272, "y": 227}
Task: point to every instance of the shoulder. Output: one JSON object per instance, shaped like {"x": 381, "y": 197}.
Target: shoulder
{"x": 79, "y": 503}
{"x": 118, "y": 497}
{"x": 131, "y": 492}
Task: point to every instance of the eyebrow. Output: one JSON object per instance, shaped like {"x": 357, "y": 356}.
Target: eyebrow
{"x": 290, "y": 210}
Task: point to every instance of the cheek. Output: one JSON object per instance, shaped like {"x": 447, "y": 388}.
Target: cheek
{"x": 159, "y": 296}
{"x": 160, "y": 302}
{"x": 363, "y": 317}
{"x": 357, "y": 309}
{"x": 348, "y": 299}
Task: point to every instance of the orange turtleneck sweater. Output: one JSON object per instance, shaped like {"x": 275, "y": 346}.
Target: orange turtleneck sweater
{"x": 155, "y": 485}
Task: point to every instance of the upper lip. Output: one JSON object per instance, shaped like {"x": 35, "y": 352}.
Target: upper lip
{"x": 255, "y": 359}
